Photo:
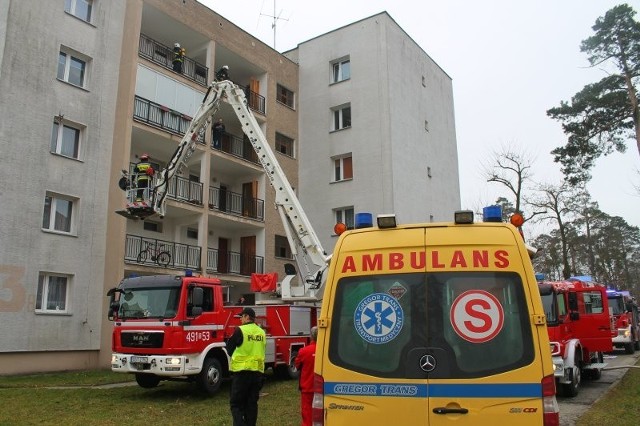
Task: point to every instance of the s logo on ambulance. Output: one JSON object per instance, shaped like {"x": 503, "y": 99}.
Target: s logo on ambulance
{"x": 477, "y": 316}
{"x": 378, "y": 318}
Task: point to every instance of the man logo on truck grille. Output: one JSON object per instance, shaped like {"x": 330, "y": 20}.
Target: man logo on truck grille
{"x": 378, "y": 318}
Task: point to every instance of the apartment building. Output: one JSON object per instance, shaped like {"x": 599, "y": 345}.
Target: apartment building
{"x": 361, "y": 119}
{"x": 377, "y": 128}
{"x": 88, "y": 86}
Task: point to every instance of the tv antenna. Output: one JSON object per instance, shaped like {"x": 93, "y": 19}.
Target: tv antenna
{"x": 276, "y": 18}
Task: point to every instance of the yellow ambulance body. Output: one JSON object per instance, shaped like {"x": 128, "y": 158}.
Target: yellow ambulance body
{"x": 433, "y": 324}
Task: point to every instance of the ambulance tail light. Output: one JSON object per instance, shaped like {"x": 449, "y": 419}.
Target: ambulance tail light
{"x": 317, "y": 405}
{"x": 551, "y": 410}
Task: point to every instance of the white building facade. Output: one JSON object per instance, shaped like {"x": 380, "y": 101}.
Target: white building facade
{"x": 377, "y": 128}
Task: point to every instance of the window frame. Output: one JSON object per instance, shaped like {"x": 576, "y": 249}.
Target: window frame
{"x": 286, "y": 142}
{"x": 52, "y": 210}
{"x": 282, "y": 243}
{"x": 71, "y": 7}
{"x": 285, "y": 96}
{"x": 345, "y": 212}
{"x": 64, "y": 73}
{"x": 338, "y": 117}
{"x": 42, "y": 295}
{"x": 56, "y": 146}
{"x": 338, "y": 68}
{"x": 341, "y": 168}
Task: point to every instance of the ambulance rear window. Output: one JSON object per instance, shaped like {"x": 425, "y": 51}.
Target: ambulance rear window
{"x": 473, "y": 324}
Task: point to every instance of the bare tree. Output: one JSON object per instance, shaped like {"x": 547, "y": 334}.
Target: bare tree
{"x": 554, "y": 204}
{"x": 511, "y": 169}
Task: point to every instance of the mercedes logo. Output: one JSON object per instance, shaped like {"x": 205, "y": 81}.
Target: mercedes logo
{"x": 427, "y": 363}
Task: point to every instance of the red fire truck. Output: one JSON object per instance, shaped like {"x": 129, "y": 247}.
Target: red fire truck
{"x": 578, "y": 323}
{"x": 175, "y": 327}
{"x": 625, "y": 321}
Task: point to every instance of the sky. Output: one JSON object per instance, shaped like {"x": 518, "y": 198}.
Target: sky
{"x": 510, "y": 61}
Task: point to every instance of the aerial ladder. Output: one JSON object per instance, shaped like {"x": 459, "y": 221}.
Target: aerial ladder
{"x": 306, "y": 248}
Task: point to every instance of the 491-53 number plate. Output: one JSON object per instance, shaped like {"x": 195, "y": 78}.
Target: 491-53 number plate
{"x": 139, "y": 359}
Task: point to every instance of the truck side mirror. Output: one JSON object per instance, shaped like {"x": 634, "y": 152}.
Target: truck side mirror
{"x": 573, "y": 302}
{"x": 197, "y": 298}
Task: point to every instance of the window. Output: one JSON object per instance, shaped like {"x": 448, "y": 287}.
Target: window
{"x": 285, "y": 96}
{"x": 341, "y": 70}
{"x": 342, "y": 117}
{"x": 284, "y": 145}
{"x": 65, "y": 139}
{"x": 343, "y": 168}
{"x": 71, "y": 69}
{"x": 192, "y": 233}
{"x": 345, "y": 216}
{"x": 282, "y": 247}
{"x": 152, "y": 226}
{"x": 52, "y": 293}
{"x": 416, "y": 311}
{"x": 79, "y": 8}
{"x": 57, "y": 213}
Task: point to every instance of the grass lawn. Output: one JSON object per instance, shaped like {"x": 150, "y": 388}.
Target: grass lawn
{"x": 53, "y": 399}
{"x": 72, "y": 399}
{"x": 620, "y": 406}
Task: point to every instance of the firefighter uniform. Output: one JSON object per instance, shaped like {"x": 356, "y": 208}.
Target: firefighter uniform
{"x": 247, "y": 347}
{"x": 144, "y": 173}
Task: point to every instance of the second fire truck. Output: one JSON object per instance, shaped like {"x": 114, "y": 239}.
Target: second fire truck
{"x": 578, "y": 323}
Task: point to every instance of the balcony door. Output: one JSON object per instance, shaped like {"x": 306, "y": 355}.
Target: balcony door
{"x": 249, "y": 195}
{"x": 223, "y": 255}
{"x": 247, "y": 255}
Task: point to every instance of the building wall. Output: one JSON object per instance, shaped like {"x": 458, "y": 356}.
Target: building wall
{"x": 31, "y": 97}
{"x": 391, "y": 149}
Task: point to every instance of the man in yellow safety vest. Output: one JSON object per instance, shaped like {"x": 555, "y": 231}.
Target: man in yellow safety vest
{"x": 247, "y": 347}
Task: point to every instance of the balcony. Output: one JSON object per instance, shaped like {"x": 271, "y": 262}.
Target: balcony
{"x": 238, "y": 147}
{"x": 236, "y": 204}
{"x": 231, "y": 262}
{"x": 161, "y": 254}
{"x": 255, "y": 101}
{"x": 161, "y": 117}
{"x": 185, "y": 190}
{"x": 163, "y": 56}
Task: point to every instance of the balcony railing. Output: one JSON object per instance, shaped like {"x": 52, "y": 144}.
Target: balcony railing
{"x": 159, "y": 253}
{"x": 156, "y": 115}
{"x": 163, "y": 56}
{"x": 238, "y": 147}
{"x": 255, "y": 101}
{"x": 236, "y": 204}
{"x": 182, "y": 189}
{"x": 231, "y": 262}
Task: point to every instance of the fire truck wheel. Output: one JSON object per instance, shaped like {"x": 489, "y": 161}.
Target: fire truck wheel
{"x": 287, "y": 371}
{"x": 210, "y": 377}
{"x": 571, "y": 389}
{"x": 629, "y": 348}
{"x": 147, "y": 380}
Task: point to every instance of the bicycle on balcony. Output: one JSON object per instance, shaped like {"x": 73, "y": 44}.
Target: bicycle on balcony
{"x": 156, "y": 253}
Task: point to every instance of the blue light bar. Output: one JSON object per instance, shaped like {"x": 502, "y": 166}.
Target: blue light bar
{"x": 188, "y": 273}
{"x": 363, "y": 220}
{"x": 492, "y": 214}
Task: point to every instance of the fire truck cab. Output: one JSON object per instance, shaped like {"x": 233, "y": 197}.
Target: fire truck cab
{"x": 625, "y": 321}
{"x": 578, "y": 323}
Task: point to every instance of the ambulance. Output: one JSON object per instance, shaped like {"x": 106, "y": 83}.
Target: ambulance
{"x": 433, "y": 324}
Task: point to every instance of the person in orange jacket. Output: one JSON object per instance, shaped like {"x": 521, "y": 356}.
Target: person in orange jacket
{"x": 304, "y": 362}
